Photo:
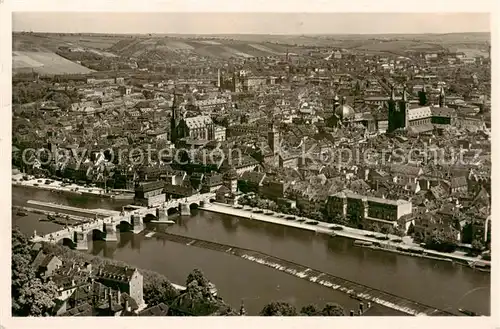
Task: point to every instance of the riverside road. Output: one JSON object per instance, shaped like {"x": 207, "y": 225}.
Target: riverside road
{"x": 443, "y": 285}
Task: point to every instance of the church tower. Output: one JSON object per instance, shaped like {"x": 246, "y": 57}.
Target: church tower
{"x": 393, "y": 112}
{"x": 422, "y": 97}
{"x": 174, "y": 121}
{"x": 442, "y": 98}
{"x": 273, "y": 138}
{"x": 404, "y": 106}
{"x": 219, "y": 84}
{"x": 336, "y": 103}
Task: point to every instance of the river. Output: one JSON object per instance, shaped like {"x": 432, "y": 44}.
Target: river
{"x": 441, "y": 284}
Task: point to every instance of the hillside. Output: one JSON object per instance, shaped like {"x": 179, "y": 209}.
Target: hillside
{"x": 37, "y": 51}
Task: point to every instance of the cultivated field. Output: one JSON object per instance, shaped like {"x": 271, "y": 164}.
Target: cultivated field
{"x": 244, "y": 46}
{"x": 45, "y": 63}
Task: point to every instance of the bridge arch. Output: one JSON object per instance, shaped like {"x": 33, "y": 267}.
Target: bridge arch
{"x": 124, "y": 226}
{"x": 194, "y": 205}
{"x": 149, "y": 217}
{"x": 172, "y": 210}
{"x": 67, "y": 242}
{"x": 97, "y": 234}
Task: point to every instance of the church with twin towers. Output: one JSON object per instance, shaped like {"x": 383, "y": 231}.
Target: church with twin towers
{"x": 422, "y": 118}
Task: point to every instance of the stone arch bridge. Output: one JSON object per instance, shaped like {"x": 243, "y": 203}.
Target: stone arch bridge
{"x": 106, "y": 228}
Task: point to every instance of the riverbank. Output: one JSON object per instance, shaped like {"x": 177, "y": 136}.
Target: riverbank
{"x": 406, "y": 247}
{"x": 58, "y": 218}
{"x": 92, "y": 212}
{"x": 60, "y": 187}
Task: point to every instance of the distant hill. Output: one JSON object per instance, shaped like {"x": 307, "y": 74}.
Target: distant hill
{"x": 174, "y": 46}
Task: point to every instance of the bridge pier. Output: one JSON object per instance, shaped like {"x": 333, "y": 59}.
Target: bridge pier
{"x": 81, "y": 240}
{"x": 161, "y": 216}
{"x": 184, "y": 209}
{"x": 137, "y": 223}
{"x": 110, "y": 232}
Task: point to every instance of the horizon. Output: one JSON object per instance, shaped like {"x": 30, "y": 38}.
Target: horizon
{"x": 287, "y": 24}
{"x": 252, "y": 34}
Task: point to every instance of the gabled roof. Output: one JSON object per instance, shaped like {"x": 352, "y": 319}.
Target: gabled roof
{"x": 198, "y": 121}
{"x": 48, "y": 259}
{"x": 481, "y": 198}
{"x": 38, "y": 259}
{"x": 458, "y": 181}
{"x": 443, "y": 112}
{"x": 157, "y": 310}
{"x": 405, "y": 170}
{"x": 419, "y": 113}
{"x": 81, "y": 310}
{"x": 116, "y": 273}
{"x": 253, "y": 177}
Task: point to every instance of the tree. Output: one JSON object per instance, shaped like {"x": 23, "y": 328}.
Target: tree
{"x": 441, "y": 241}
{"x": 30, "y": 295}
{"x": 477, "y": 245}
{"x": 197, "y": 275}
{"x": 387, "y": 229}
{"x": 198, "y": 299}
{"x": 159, "y": 291}
{"x": 467, "y": 233}
{"x": 400, "y": 231}
{"x": 37, "y": 298}
{"x": 310, "y": 310}
{"x": 333, "y": 309}
{"x": 278, "y": 308}
{"x": 317, "y": 215}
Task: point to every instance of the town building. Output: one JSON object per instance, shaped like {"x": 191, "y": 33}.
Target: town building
{"x": 370, "y": 209}
{"x": 149, "y": 194}
{"x": 123, "y": 279}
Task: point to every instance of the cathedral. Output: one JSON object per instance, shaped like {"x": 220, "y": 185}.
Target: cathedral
{"x": 200, "y": 127}
{"x": 421, "y": 119}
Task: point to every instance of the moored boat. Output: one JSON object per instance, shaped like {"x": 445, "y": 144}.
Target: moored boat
{"x": 362, "y": 243}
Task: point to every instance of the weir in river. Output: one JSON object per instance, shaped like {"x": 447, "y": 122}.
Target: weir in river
{"x": 355, "y": 290}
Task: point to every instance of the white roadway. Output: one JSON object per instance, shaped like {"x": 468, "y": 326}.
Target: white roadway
{"x": 125, "y": 216}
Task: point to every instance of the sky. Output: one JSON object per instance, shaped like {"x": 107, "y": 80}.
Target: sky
{"x": 250, "y": 23}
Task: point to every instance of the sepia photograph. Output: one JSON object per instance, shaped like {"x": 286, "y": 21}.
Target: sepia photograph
{"x": 251, "y": 164}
